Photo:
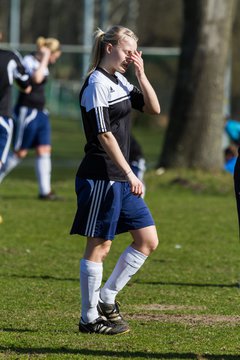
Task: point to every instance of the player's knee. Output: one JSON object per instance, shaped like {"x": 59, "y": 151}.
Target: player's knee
{"x": 43, "y": 150}
{"x": 153, "y": 244}
{"x": 21, "y": 154}
{"x": 104, "y": 251}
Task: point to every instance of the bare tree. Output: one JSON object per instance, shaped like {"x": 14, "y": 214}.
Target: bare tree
{"x": 194, "y": 135}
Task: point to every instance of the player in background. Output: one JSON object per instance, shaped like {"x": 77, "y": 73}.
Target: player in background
{"x": 108, "y": 192}
{"x": 11, "y": 69}
{"x": 137, "y": 161}
{"x": 32, "y": 125}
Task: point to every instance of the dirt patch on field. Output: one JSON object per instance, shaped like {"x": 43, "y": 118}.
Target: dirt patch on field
{"x": 188, "y": 319}
{"x": 160, "y": 307}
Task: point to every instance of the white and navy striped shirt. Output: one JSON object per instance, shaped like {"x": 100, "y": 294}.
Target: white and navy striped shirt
{"x": 36, "y": 98}
{"x": 11, "y": 68}
{"x": 106, "y": 102}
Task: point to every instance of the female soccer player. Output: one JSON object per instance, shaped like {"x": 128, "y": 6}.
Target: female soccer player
{"x": 108, "y": 193}
{"x": 11, "y": 68}
{"x": 32, "y": 119}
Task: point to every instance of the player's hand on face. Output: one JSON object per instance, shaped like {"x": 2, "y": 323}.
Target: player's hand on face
{"x": 45, "y": 51}
{"x": 137, "y": 59}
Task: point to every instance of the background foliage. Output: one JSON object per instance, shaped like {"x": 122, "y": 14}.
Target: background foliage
{"x": 158, "y": 24}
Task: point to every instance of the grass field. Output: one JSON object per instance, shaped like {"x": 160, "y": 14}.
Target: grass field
{"x": 184, "y": 302}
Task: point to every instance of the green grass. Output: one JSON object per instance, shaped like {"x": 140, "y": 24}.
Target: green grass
{"x": 183, "y": 303}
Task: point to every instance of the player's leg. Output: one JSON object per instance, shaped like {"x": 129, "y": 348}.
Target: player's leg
{"x": 131, "y": 260}
{"x": 43, "y": 164}
{"x": 13, "y": 160}
{"x": 43, "y": 168}
{"x": 91, "y": 270}
{"x": 6, "y": 130}
{"x": 24, "y": 132}
{"x": 9, "y": 160}
{"x": 145, "y": 240}
{"x": 97, "y": 216}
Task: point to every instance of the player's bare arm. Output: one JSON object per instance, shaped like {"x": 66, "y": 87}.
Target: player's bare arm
{"x": 152, "y": 105}
{"x": 39, "y": 74}
{"x": 110, "y": 145}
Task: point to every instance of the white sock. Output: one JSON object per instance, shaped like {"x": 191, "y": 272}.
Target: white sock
{"x": 43, "y": 169}
{"x": 90, "y": 281}
{"x": 12, "y": 161}
{"x": 128, "y": 264}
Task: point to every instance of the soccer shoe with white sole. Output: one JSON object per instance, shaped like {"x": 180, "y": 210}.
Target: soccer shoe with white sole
{"x": 111, "y": 313}
{"x": 101, "y": 326}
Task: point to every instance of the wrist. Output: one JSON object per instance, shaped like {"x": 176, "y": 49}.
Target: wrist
{"x": 128, "y": 172}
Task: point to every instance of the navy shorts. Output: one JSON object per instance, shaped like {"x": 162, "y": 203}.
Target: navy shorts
{"x": 32, "y": 128}
{"x": 106, "y": 208}
{"x": 6, "y": 130}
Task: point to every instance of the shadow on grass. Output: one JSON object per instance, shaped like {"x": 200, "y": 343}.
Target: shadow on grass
{"x": 18, "y": 197}
{"x": 39, "y": 277}
{"x": 233, "y": 285}
{"x": 17, "y": 330}
{"x": 162, "y": 283}
{"x": 35, "y": 198}
{"x": 118, "y": 354}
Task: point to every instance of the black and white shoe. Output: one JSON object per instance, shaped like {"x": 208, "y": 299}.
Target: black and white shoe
{"x": 111, "y": 313}
{"x": 101, "y": 326}
{"x": 50, "y": 197}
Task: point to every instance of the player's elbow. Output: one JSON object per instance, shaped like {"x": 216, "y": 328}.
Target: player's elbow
{"x": 154, "y": 110}
{"x": 28, "y": 89}
{"x": 38, "y": 78}
{"x": 105, "y": 136}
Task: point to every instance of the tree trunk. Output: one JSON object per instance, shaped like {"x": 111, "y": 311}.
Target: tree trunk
{"x": 194, "y": 135}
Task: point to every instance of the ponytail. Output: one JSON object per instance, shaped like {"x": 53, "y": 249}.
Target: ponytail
{"x": 101, "y": 38}
{"x": 51, "y": 43}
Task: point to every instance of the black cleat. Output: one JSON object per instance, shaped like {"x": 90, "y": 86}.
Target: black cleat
{"x": 50, "y": 197}
{"x": 101, "y": 326}
{"x": 111, "y": 313}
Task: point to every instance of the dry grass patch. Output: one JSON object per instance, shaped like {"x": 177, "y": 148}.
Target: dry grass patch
{"x": 188, "y": 319}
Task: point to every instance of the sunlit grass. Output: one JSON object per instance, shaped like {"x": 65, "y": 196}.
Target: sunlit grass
{"x": 183, "y": 303}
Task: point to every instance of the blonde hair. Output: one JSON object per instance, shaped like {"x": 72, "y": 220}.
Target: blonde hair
{"x": 51, "y": 43}
{"x": 113, "y": 35}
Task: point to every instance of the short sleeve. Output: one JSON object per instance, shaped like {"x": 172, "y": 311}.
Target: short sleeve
{"x": 19, "y": 72}
{"x": 136, "y": 96}
{"x": 31, "y": 64}
{"x": 95, "y": 101}
{"x": 137, "y": 99}
{"x": 95, "y": 95}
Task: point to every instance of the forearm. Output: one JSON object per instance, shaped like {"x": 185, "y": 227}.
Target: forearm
{"x": 151, "y": 102}
{"x": 150, "y": 98}
{"x": 110, "y": 145}
{"x": 39, "y": 74}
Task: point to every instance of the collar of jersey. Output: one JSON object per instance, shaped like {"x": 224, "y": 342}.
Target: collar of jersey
{"x": 110, "y": 76}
